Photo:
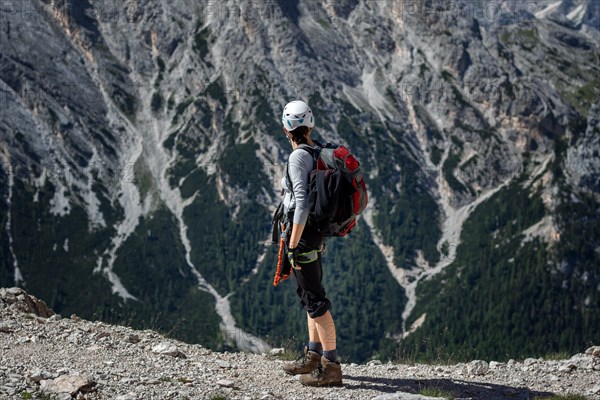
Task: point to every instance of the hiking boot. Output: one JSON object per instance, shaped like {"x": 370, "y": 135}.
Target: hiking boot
{"x": 329, "y": 373}
{"x": 305, "y": 364}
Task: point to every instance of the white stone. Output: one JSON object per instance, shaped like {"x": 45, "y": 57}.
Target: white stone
{"x": 67, "y": 384}
{"x": 225, "y": 383}
{"x": 277, "y": 351}
{"x": 496, "y": 365}
{"x": 582, "y": 361}
{"x": 168, "y": 349}
{"x": 374, "y": 362}
{"x": 39, "y": 375}
{"x": 477, "y": 367}
{"x": 593, "y": 351}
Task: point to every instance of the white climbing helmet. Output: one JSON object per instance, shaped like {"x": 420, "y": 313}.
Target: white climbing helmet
{"x": 297, "y": 113}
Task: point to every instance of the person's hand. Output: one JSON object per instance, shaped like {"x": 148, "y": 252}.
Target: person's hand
{"x": 291, "y": 254}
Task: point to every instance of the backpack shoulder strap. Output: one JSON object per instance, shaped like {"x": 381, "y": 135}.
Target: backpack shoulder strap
{"x": 315, "y": 151}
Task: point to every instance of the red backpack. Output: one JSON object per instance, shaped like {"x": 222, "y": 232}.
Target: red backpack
{"x": 337, "y": 193}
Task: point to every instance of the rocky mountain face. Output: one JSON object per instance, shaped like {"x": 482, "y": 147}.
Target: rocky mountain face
{"x": 142, "y": 153}
{"x": 65, "y": 358}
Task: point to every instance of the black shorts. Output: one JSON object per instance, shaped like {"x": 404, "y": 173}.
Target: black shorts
{"x": 309, "y": 279}
{"x": 310, "y": 289}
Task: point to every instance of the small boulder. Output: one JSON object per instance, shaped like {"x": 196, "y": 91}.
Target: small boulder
{"x": 39, "y": 375}
{"x": 168, "y": 349}
{"x": 496, "y": 365}
{"x": 7, "y": 296}
{"x": 593, "y": 351}
{"x": 71, "y": 384}
{"x": 225, "y": 383}
{"x": 477, "y": 367}
{"x": 583, "y": 361}
{"x": 374, "y": 362}
{"x": 277, "y": 352}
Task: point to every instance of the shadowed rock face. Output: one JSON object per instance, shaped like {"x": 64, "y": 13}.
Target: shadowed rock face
{"x": 130, "y": 135}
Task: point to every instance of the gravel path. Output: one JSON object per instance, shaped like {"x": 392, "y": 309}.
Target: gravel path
{"x": 68, "y": 358}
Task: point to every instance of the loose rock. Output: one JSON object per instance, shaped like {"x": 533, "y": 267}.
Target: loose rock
{"x": 39, "y": 375}
{"x": 477, "y": 367}
{"x": 277, "y": 351}
{"x": 225, "y": 383}
{"x": 168, "y": 349}
{"x": 496, "y": 365}
{"x": 71, "y": 384}
{"x": 593, "y": 351}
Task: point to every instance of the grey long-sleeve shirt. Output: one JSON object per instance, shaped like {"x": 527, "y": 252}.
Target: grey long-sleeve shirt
{"x": 300, "y": 165}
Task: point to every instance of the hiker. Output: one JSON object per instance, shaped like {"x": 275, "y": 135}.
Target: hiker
{"x": 303, "y": 247}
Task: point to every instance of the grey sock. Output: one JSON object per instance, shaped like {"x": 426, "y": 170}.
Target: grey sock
{"x": 331, "y": 355}
{"x": 317, "y": 347}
